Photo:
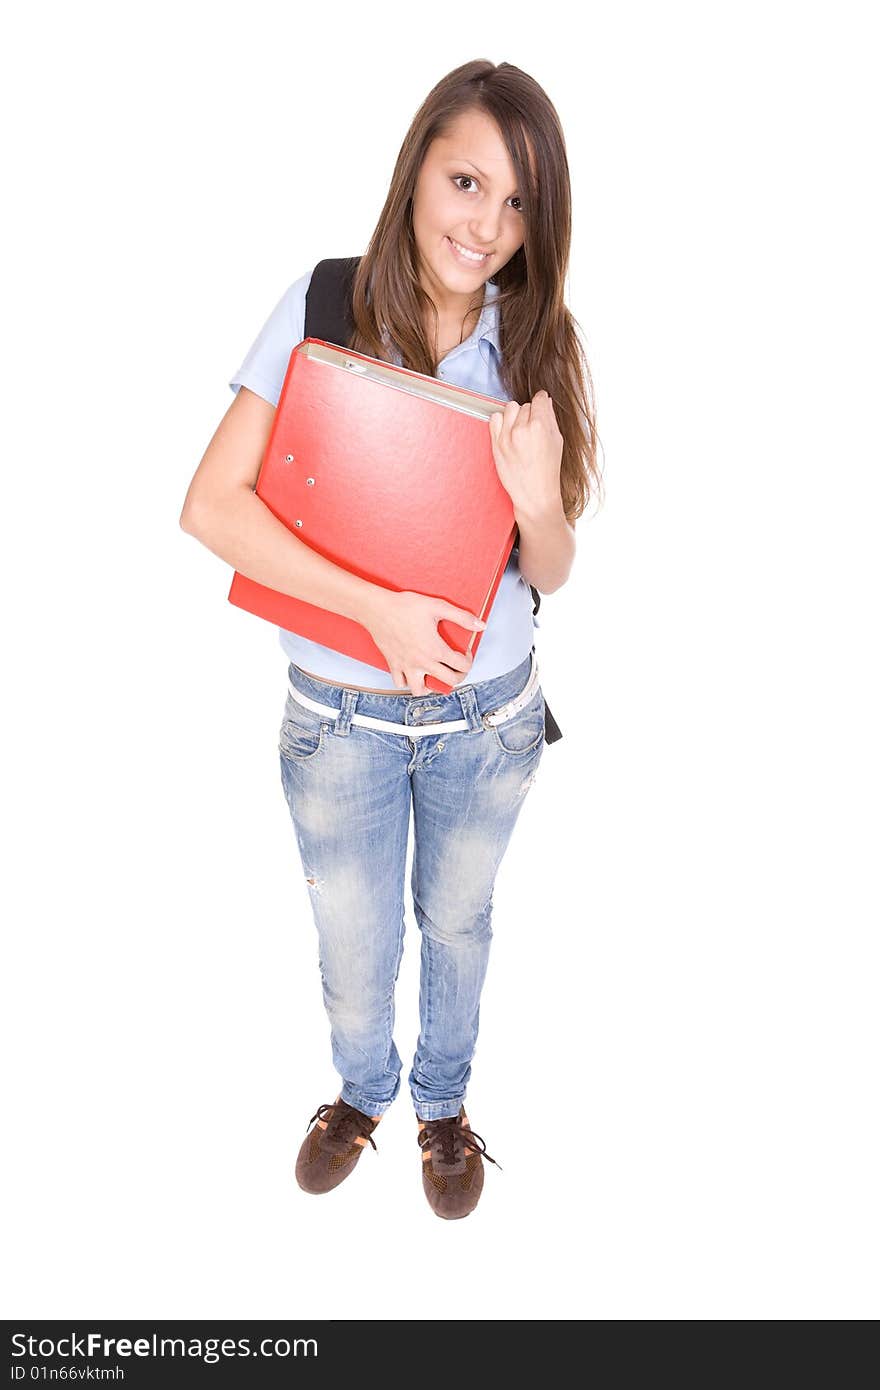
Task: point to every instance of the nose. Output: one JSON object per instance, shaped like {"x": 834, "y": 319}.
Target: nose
{"x": 485, "y": 230}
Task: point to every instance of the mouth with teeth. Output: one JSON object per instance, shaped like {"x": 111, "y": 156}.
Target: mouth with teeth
{"x": 464, "y": 255}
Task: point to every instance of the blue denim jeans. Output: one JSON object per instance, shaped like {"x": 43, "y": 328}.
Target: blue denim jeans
{"x": 349, "y": 789}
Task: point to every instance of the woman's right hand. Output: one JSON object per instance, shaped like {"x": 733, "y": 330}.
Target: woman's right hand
{"x": 404, "y": 628}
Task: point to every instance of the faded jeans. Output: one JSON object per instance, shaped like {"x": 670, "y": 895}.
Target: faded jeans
{"x": 349, "y": 789}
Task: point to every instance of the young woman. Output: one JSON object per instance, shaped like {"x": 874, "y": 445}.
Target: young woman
{"x": 463, "y": 279}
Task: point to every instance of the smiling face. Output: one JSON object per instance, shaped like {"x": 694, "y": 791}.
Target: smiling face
{"x": 466, "y": 192}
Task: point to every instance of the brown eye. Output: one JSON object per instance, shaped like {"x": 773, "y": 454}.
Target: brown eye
{"x": 470, "y": 179}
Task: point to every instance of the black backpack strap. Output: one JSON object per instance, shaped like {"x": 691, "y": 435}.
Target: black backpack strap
{"x": 552, "y": 731}
{"x": 328, "y": 301}
{"x": 329, "y": 317}
{"x": 536, "y": 597}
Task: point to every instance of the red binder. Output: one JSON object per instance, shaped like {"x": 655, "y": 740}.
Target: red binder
{"x": 390, "y": 474}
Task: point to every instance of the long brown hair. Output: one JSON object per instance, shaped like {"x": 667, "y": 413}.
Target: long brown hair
{"x": 540, "y": 348}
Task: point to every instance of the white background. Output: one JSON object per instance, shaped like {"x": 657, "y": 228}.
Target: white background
{"x": 677, "y": 1060}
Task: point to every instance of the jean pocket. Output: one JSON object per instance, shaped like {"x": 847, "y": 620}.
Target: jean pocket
{"x": 302, "y": 731}
{"x": 525, "y": 731}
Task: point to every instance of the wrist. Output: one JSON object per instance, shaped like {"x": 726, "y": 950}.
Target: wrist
{"x": 549, "y": 513}
{"x": 367, "y": 599}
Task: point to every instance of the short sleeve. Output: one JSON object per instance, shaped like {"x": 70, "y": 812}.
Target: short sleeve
{"x": 265, "y": 365}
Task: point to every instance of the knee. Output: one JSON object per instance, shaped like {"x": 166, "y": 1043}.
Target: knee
{"x": 456, "y": 924}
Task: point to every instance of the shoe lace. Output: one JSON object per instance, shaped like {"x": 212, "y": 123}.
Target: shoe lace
{"x": 344, "y": 1122}
{"x": 449, "y": 1135}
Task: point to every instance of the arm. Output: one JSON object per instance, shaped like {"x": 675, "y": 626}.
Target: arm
{"x": 527, "y": 447}
{"x": 222, "y": 510}
{"x": 546, "y": 548}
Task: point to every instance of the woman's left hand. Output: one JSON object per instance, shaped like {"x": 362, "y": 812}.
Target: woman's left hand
{"x": 527, "y": 445}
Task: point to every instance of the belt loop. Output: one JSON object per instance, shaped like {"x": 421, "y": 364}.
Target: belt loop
{"x": 343, "y": 718}
{"x": 469, "y": 708}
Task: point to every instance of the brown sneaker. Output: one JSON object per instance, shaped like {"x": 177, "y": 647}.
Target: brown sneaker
{"x": 331, "y": 1151}
{"x": 452, "y": 1164}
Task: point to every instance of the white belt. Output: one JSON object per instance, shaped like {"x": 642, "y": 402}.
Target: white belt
{"x": 498, "y": 716}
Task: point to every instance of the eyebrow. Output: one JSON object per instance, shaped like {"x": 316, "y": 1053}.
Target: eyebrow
{"x": 462, "y": 160}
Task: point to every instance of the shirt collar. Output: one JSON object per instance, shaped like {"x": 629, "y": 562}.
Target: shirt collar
{"x": 488, "y": 328}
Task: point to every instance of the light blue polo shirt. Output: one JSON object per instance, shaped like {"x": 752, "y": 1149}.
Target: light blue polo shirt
{"x": 509, "y": 633}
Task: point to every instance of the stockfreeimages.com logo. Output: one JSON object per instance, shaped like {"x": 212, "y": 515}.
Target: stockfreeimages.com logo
{"x": 95, "y": 1346}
